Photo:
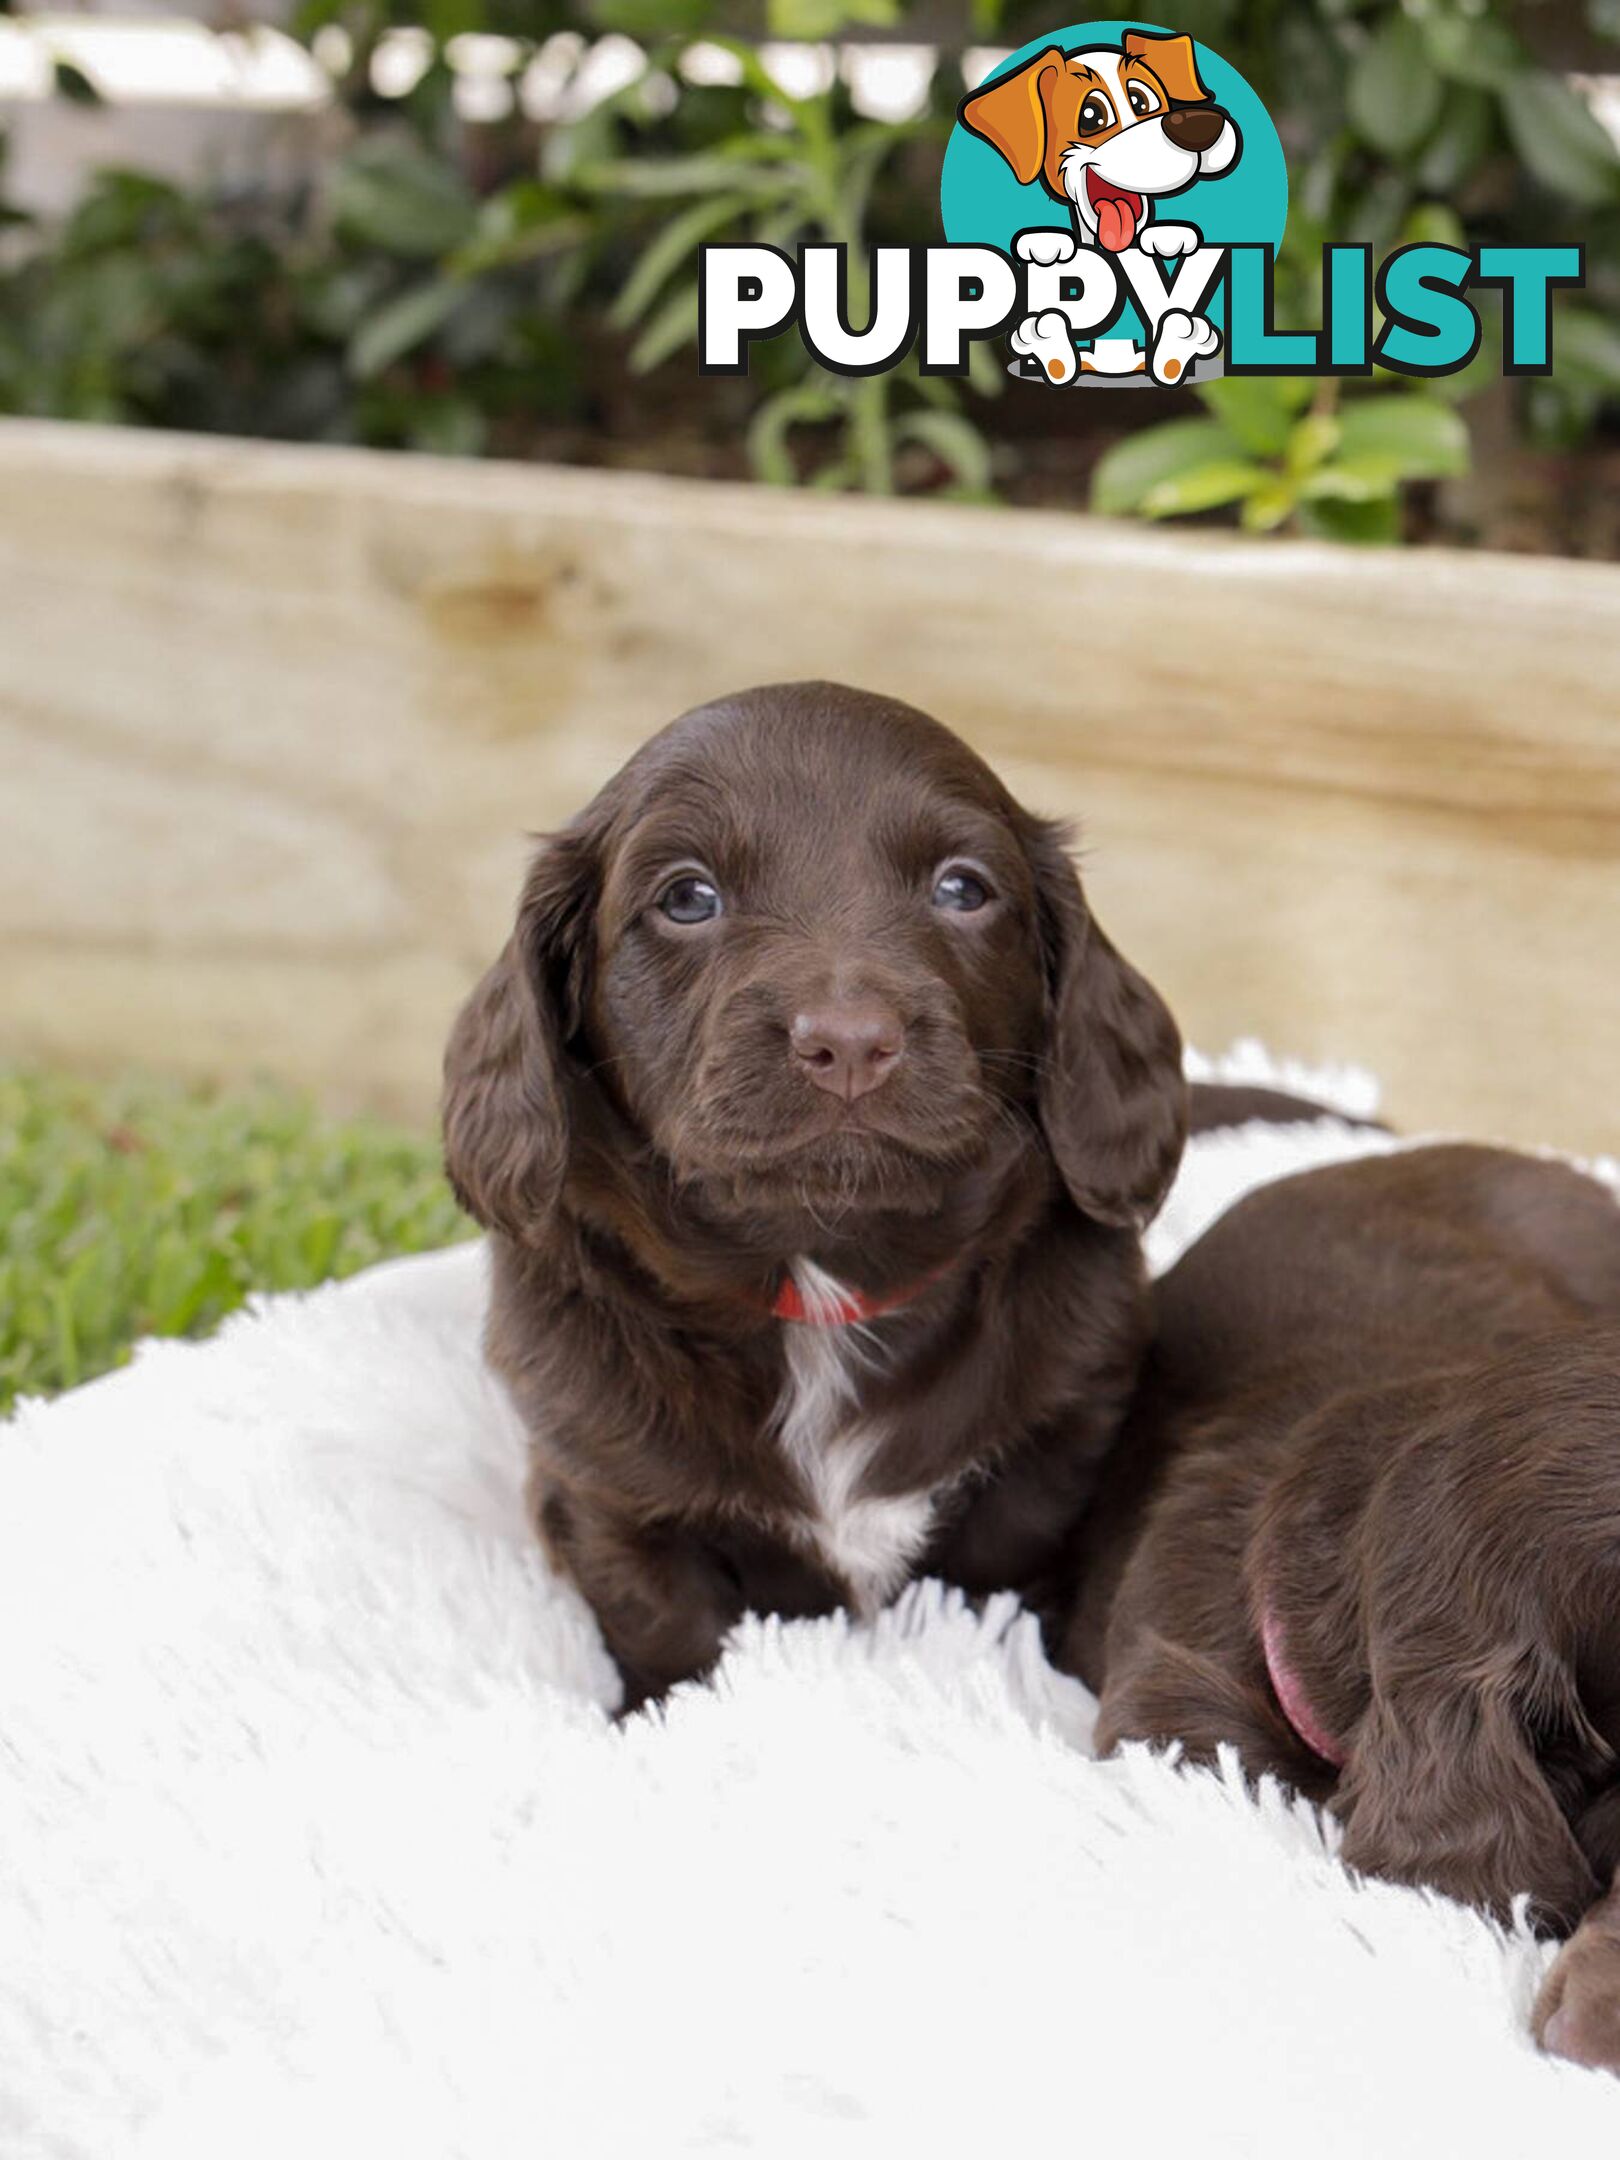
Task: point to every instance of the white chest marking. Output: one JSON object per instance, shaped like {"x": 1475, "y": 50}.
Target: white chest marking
{"x": 871, "y": 1543}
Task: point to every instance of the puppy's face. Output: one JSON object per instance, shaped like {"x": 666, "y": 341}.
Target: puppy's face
{"x": 812, "y": 957}
{"x": 817, "y": 963}
{"x": 1108, "y": 129}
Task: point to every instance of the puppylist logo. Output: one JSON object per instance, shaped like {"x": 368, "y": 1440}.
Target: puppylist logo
{"x": 1129, "y": 156}
{"x": 1113, "y": 197}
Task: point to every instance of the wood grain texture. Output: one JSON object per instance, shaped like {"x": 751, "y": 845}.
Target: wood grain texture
{"x": 274, "y": 721}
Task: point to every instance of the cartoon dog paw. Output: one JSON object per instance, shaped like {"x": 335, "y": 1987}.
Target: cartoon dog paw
{"x": 1045, "y": 245}
{"x": 1180, "y": 340}
{"x": 1047, "y": 339}
{"x": 1169, "y": 239}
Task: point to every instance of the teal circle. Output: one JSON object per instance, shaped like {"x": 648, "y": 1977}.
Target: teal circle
{"x": 981, "y": 201}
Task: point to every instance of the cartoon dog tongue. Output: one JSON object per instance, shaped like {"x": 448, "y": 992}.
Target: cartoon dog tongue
{"x": 1117, "y": 213}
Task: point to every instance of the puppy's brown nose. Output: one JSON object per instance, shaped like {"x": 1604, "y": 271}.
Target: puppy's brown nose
{"x": 848, "y": 1049}
{"x": 1194, "y": 127}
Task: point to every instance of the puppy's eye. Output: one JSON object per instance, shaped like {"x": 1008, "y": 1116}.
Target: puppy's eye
{"x": 1142, "y": 100}
{"x": 961, "y": 891}
{"x": 689, "y": 899}
{"x": 1095, "y": 113}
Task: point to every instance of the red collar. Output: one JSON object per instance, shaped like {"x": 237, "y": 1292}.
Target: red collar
{"x": 1289, "y": 1690}
{"x": 850, "y": 1307}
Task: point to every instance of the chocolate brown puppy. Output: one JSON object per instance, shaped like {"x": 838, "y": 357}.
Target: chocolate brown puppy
{"x": 1364, "y": 1524}
{"x": 815, "y": 1118}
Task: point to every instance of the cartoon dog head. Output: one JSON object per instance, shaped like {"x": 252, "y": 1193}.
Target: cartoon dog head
{"x": 1107, "y": 129}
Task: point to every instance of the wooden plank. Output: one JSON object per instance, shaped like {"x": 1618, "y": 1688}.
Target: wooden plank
{"x": 274, "y": 720}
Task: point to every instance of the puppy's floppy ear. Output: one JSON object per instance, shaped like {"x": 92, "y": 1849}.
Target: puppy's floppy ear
{"x": 1011, "y": 115}
{"x": 1172, "y": 59}
{"x": 1112, "y": 1098}
{"x": 506, "y": 1082}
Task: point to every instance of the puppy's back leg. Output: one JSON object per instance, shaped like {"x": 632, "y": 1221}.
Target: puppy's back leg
{"x": 1160, "y": 1692}
{"x": 1443, "y": 1790}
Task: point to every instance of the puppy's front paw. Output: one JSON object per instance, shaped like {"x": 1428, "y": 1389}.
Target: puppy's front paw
{"x": 1180, "y": 340}
{"x": 1169, "y": 239}
{"x": 1046, "y": 338}
{"x": 1045, "y": 245}
{"x": 1578, "y": 2015}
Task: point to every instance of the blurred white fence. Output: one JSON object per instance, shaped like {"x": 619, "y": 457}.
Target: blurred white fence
{"x": 186, "y": 97}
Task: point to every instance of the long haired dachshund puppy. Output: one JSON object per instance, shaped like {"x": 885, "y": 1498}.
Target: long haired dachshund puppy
{"x": 1364, "y": 1524}
{"x": 815, "y": 1118}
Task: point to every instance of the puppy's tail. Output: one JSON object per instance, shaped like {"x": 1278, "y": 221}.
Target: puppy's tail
{"x": 1217, "y": 1104}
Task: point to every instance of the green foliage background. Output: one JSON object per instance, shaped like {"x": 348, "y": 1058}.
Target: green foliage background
{"x": 452, "y": 287}
{"x": 139, "y": 1207}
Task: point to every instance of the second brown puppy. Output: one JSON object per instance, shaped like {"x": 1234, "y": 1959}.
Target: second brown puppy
{"x": 1364, "y": 1525}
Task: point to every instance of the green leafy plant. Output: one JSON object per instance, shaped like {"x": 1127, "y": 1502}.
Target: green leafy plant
{"x": 517, "y": 285}
{"x": 1383, "y": 107}
{"x": 390, "y": 307}
{"x": 797, "y": 168}
{"x": 1286, "y": 453}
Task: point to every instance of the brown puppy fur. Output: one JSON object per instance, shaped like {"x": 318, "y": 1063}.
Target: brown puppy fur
{"x": 644, "y": 1112}
{"x": 1383, "y": 1415}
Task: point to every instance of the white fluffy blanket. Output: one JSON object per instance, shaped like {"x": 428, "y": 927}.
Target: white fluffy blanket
{"x": 316, "y": 1839}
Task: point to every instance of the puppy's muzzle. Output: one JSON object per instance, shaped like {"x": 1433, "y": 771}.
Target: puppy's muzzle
{"x": 1194, "y": 128}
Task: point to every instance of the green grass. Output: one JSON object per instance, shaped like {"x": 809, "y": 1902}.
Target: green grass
{"x": 141, "y": 1207}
